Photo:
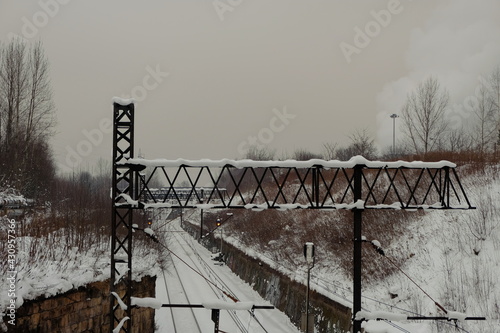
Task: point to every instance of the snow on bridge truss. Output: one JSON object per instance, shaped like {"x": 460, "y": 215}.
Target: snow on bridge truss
{"x": 313, "y": 184}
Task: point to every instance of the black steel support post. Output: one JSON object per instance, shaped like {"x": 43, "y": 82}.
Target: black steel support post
{"x": 215, "y": 319}
{"x": 121, "y": 220}
{"x": 315, "y": 187}
{"x": 201, "y": 225}
{"x": 357, "y": 239}
{"x": 201, "y": 219}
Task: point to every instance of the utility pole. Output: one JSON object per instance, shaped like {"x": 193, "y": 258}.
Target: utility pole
{"x": 201, "y": 212}
{"x": 357, "y": 239}
{"x": 309, "y": 255}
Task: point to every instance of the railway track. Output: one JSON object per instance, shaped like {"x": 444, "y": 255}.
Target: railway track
{"x": 181, "y": 319}
{"x": 216, "y": 284}
{"x": 195, "y": 319}
{"x": 182, "y": 286}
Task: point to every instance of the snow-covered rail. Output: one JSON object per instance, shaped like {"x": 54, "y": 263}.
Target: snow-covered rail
{"x": 210, "y": 275}
{"x": 181, "y": 320}
{"x": 207, "y": 291}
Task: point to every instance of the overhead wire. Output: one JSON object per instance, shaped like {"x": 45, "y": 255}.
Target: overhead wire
{"x": 226, "y": 293}
{"x": 156, "y": 240}
{"x": 381, "y": 252}
{"x": 252, "y": 315}
{"x": 416, "y": 284}
{"x": 341, "y": 296}
{"x": 365, "y": 297}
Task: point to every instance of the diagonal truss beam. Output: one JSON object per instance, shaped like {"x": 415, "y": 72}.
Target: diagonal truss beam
{"x": 314, "y": 184}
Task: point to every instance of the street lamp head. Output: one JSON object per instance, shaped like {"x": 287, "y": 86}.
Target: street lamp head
{"x": 394, "y": 116}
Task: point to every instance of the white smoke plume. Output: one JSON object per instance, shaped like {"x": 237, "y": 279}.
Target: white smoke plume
{"x": 459, "y": 45}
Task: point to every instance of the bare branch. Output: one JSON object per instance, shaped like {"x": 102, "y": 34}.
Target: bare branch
{"x": 423, "y": 115}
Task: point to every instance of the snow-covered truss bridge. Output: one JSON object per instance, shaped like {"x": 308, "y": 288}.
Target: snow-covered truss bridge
{"x": 357, "y": 185}
{"x": 313, "y": 184}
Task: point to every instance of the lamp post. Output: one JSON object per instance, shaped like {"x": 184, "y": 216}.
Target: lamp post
{"x": 394, "y": 116}
{"x": 218, "y": 226}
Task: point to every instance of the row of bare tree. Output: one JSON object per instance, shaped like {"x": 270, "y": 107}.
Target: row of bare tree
{"x": 361, "y": 143}
{"x": 27, "y": 117}
{"x": 430, "y": 124}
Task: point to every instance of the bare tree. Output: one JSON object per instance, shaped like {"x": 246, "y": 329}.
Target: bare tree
{"x": 495, "y": 88}
{"x": 302, "y": 154}
{"x": 458, "y": 140}
{"x": 361, "y": 144}
{"x": 330, "y": 150}
{"x": 13, "y": 85}
{"x": 259, "y": 153}
{"x": 485, "y": 129}
{"x": 26, "y": 113}
{"x": 494, "y": 94}
{"x": 423, "y": 115}
{"x": 39, "y": 111}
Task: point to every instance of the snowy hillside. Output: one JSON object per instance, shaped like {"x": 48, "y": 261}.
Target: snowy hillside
{"x": 450, "y": 255}
{"x": 454, "y": 257}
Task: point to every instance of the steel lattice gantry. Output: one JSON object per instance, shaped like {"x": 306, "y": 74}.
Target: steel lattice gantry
{"x": 356, "y": 185}
{"x": 121, "y": 220}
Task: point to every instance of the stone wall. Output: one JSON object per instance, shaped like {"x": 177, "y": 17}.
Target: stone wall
{"x": 285, "y": 294}
{"x": 85, "y": 309}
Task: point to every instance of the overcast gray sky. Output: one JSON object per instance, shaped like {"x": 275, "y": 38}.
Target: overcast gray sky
{"x": 211, "y": 77}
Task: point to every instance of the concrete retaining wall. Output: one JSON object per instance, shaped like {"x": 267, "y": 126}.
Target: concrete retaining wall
{"x": 287, "y": 295}
{"x": 85, "y": 309}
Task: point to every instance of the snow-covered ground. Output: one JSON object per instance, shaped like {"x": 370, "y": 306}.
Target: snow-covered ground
{"x": 47, "y": 267}
{"x": 452, "y": 255}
